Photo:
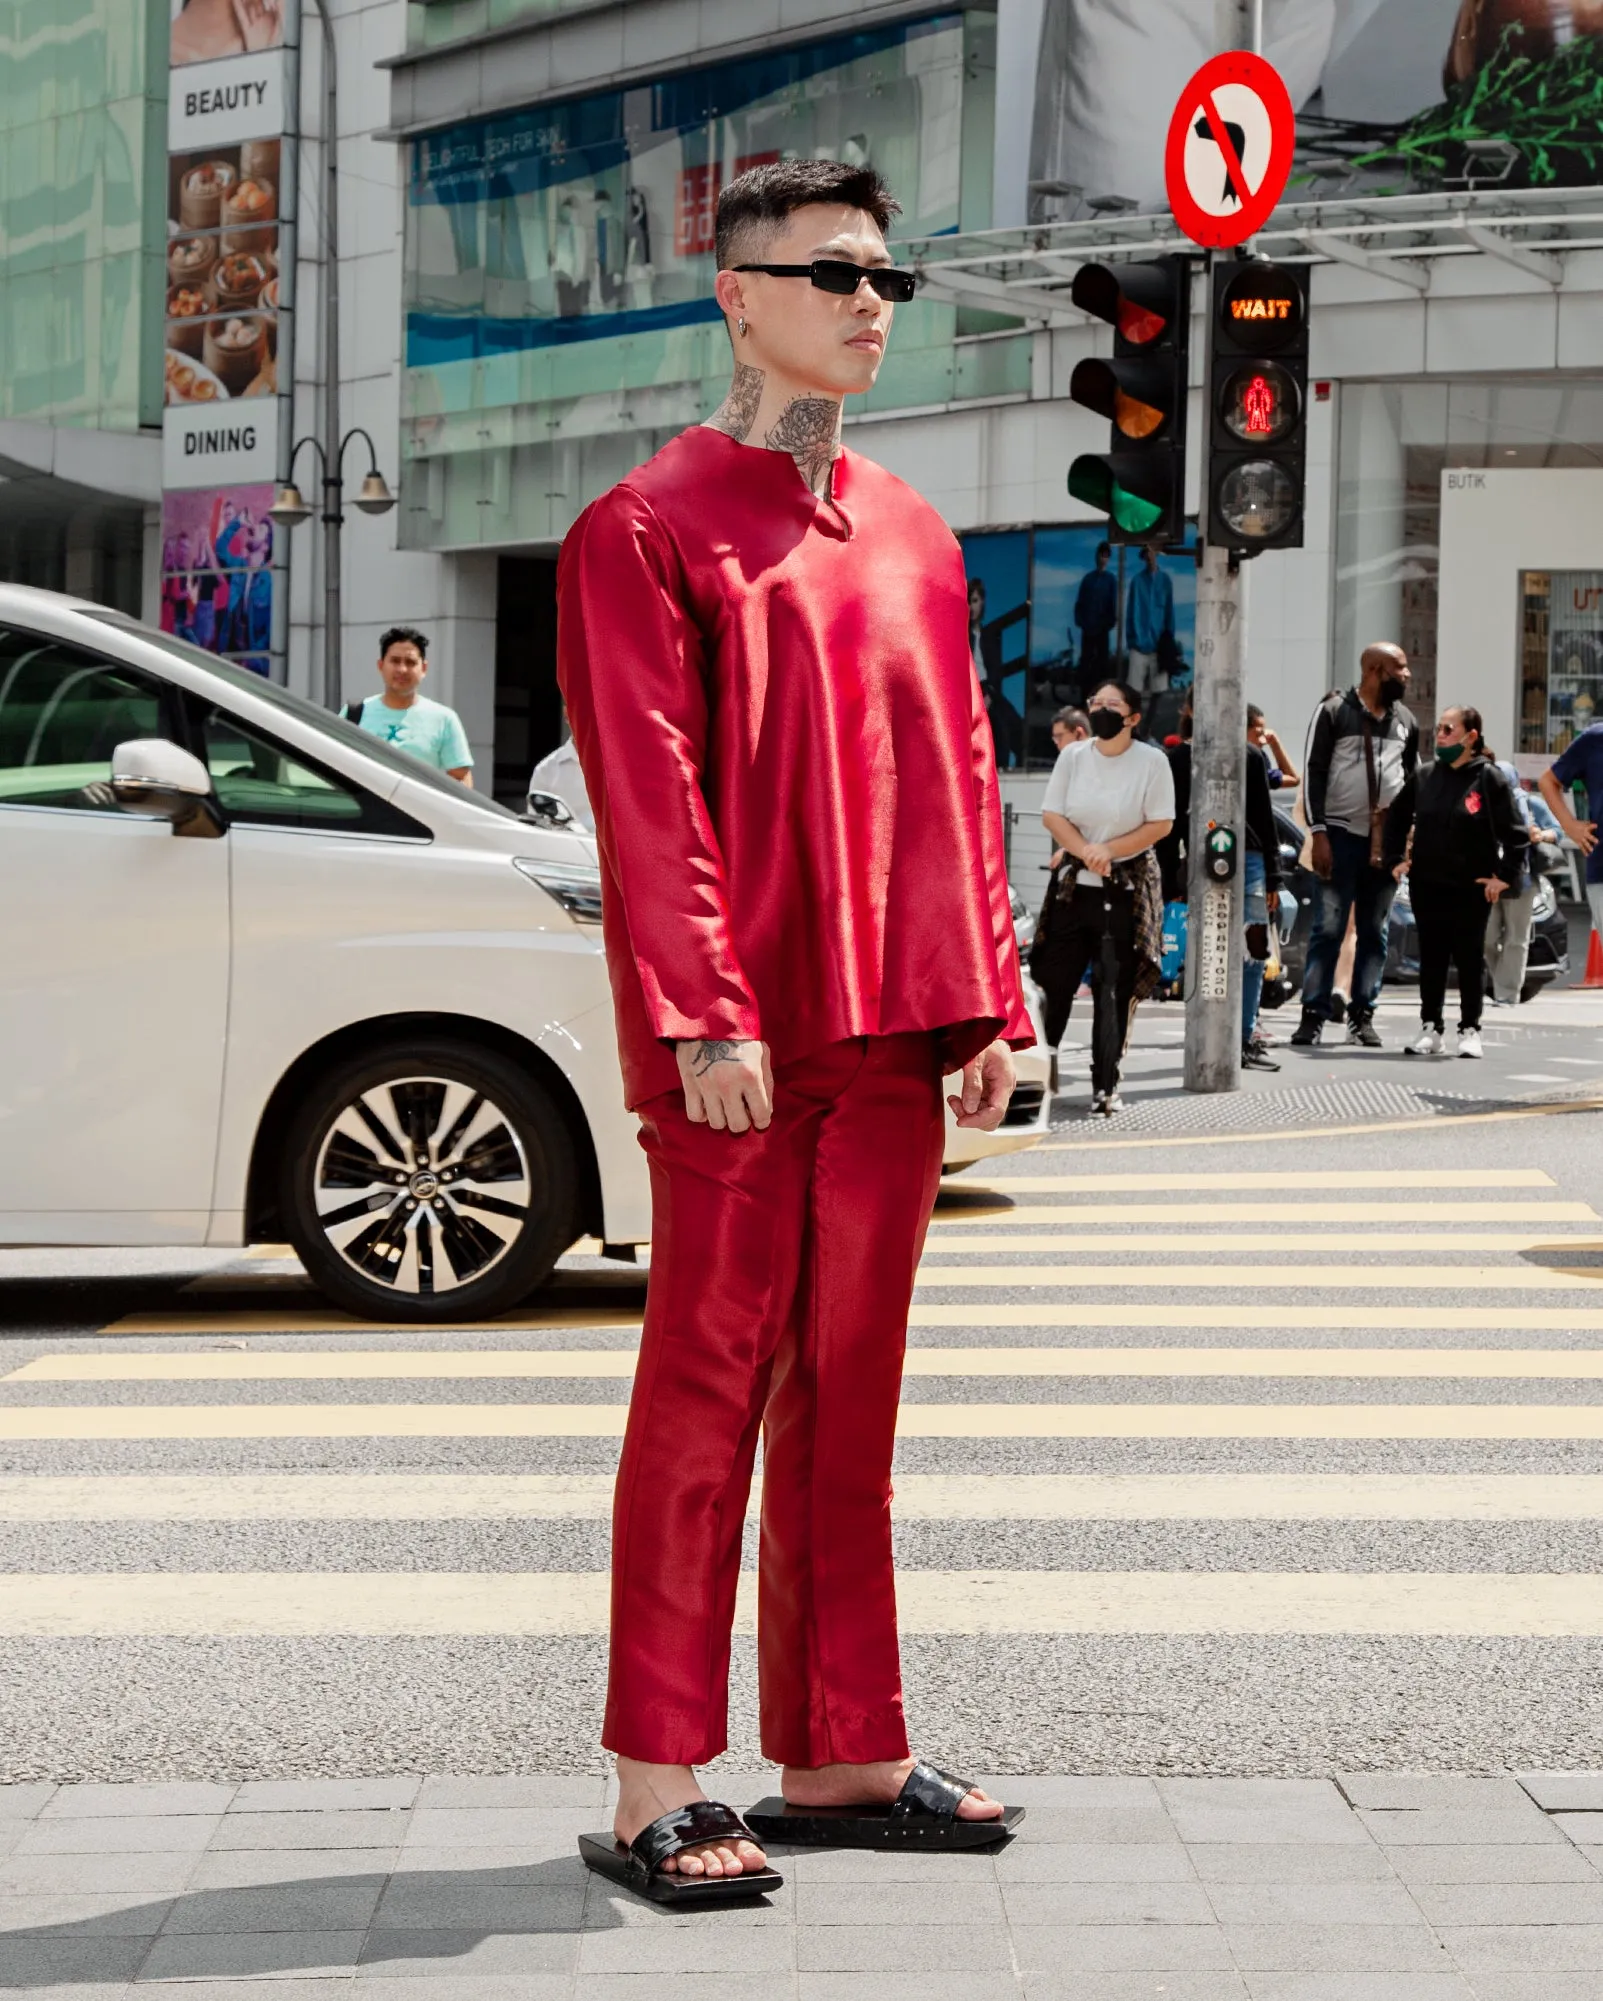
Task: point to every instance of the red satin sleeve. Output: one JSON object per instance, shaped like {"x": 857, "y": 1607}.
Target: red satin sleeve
{"x": 1018, "y": 1033}
{"x": 631, "y": 669}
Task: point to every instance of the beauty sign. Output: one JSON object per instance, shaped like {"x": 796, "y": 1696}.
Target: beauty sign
{"x": 1230, "y": 149}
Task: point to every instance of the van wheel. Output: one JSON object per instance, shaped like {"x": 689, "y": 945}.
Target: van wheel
{"x": 428, "y": 1182}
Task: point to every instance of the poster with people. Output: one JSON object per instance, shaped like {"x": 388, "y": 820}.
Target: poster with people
{"x": 217, "y": 571}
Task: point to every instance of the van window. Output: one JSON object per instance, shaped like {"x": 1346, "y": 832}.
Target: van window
{"x": 62, "y": 713}
{"x": 259, "y": 783}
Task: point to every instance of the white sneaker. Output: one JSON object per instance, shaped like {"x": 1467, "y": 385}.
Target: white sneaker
{"x": 1469, "y": 1042}
{"x": 1427, "y": 1043}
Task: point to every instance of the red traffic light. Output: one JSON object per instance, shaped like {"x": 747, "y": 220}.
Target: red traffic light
{"x": 1141, "y": 300}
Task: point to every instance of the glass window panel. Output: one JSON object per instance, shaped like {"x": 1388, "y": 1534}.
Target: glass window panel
{"x": 62, "y": 714}
{"x": 260, "y": 783}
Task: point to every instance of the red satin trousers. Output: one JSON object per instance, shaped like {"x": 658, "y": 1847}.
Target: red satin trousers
{"x": 782, "y": 1264}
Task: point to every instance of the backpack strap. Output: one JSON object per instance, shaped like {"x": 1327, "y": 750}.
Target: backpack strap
{"x": 353, "y": 712}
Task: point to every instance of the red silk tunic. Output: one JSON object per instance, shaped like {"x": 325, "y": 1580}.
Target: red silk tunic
{"x": 774, "y": 703}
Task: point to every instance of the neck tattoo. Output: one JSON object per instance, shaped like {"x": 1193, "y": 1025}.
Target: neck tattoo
{"x": 809, "y": 429}
{"x": 738, "y": 411}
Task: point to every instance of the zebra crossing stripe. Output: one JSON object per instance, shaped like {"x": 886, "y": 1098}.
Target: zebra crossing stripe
{"x": 953, "y": 1497}
{"x": 465, "y": 1604}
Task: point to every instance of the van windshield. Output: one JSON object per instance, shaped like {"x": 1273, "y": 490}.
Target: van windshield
{"x": 306, "y": 712}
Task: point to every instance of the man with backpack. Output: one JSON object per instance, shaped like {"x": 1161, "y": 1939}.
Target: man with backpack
{"x": 429, "y": 730}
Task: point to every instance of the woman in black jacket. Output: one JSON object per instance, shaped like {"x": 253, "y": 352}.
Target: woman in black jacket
{"x": 1467, "y": 848}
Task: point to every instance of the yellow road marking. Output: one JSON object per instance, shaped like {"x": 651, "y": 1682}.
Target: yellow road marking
{"x": 1068, "y": 1273}
{"x": 281, "y": 1604}
{"x": 1369, "y": 1178}
{"x": 434, "y": 1364}
{"x": 1177, "y": 1214}
{"x": 172, "y": 1497}
{"x": 58, "y": 1422}
{"x": 1272, "y": 1314}
{"x": 1161, "y": 1244}
{"x": 329, "y": 1320}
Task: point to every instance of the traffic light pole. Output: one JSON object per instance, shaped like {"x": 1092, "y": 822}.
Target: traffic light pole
{"x": 1218, "y": 799}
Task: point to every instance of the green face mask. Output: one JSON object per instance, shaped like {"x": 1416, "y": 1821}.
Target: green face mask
{"x": 1449, "y": 753}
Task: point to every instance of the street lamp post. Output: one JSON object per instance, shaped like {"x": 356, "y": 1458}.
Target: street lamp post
{"x": 375, "y": 497}
{"x": 291, "y": 508}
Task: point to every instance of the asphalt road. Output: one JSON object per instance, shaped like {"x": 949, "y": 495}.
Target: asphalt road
{"x": 1262, "y": 1554}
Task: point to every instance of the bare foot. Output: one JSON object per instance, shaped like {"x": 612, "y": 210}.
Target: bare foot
{"x": 646, "y": 1792}
{"x": 869, "y": 1785}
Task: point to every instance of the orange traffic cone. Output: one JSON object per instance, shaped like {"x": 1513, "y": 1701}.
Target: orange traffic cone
{"x": 1593, "y": 976}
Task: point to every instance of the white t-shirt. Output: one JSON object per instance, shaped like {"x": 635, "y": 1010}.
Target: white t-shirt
{"x": 1108, "y": 796}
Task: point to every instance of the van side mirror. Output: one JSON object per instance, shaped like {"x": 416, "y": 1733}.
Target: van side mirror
{"x": 161, "y": 781}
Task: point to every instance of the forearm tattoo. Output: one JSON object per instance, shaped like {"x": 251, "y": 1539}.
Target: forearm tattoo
{"x": 809, "y": 429}
{"x": 709, "y": 1053}
{"x": 738, "y": 411}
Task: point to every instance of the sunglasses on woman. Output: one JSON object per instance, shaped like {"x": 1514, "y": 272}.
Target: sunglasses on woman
{"x": 836, "y": 274}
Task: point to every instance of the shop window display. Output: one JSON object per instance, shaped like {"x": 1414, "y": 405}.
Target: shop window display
{"x": 577, "y": 221}
{"x": 1039, "y": 630}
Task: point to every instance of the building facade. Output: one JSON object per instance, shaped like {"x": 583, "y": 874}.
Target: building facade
{"x": 527, "y": 192}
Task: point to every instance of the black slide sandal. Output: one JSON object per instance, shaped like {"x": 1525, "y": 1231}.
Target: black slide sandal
{"x": 923, "y": 1815}
{"x": 638, "y": 1867}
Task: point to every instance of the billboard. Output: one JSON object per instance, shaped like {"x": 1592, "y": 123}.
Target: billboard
{"x": 1392, "y": 96}
{"x": 229, "y": 300}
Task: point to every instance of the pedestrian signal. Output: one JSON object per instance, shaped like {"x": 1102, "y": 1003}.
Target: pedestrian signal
{"x": 1139, "y": 483}
{"x": 1258, "y": 407}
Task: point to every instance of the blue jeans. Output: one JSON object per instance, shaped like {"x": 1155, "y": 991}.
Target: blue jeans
{"x": 1366, "y": 892}
{"x": 1254, "y": 910}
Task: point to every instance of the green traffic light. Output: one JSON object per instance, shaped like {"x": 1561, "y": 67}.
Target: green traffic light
{"x": 1091, "y": 480}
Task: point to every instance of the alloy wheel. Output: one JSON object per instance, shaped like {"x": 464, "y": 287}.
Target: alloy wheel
{"x": 422, "y": 1184}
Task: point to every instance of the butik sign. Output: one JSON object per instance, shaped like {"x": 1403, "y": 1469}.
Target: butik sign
{"x": 1230, "y": 149}
{"x": 230, "y": 276}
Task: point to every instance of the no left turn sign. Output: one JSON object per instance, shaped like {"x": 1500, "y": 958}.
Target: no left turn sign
{"x": 1230, "y": 148}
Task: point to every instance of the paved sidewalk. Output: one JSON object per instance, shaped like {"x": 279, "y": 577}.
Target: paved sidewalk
{"x": 1374, "y": 1888}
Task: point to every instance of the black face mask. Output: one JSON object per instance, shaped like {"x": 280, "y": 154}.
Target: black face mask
{"x": 1106, "y": 725}
{"x": 1392, "y": 690}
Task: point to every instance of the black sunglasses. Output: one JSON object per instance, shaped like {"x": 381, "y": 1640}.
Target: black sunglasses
{"x": 836, "y": 274}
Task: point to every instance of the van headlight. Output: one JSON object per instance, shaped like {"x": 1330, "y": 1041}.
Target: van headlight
{"x": 1545, "y": 901}
{"x": 574, "y": 885}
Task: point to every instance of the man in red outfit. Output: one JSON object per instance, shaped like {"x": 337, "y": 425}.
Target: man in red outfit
{"x": 763, "y": 646}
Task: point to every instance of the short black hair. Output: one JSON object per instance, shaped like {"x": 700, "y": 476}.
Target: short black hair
{"x": 756, "y": 203}
{"x": 1254, "y": 713}
{"x": 404, "y": 635}
{"x": 1104, "y": 549}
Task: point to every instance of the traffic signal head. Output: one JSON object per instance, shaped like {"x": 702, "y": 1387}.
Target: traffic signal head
{"x": 1257, "y": 394}
{"x": 1141, "y": 390}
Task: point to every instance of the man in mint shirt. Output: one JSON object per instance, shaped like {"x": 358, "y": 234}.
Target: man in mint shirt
{"x": 429, "y": 730}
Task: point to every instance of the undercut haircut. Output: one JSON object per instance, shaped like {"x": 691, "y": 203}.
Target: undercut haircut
{"x": 404, "y": 635}
{"x": 754, "y": 207}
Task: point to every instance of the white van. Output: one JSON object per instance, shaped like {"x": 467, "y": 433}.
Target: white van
{"x": 266, "y": 978}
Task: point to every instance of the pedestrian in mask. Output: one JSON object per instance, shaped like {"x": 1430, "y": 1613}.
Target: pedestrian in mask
{"x": 1362, "y": 749}
{"x": 1458, "y": 836}
{"x": 1108, "y": 803}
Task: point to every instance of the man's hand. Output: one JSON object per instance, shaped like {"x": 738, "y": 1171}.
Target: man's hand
{"x": 1582, "y": 832}
{"x": 987, "y": 1086}
{"x": 1324, "y": 862}
{"x": 1097, "y": 856}
{"x": 1492, "y": 885}
{"x": 728, "y": 1085}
